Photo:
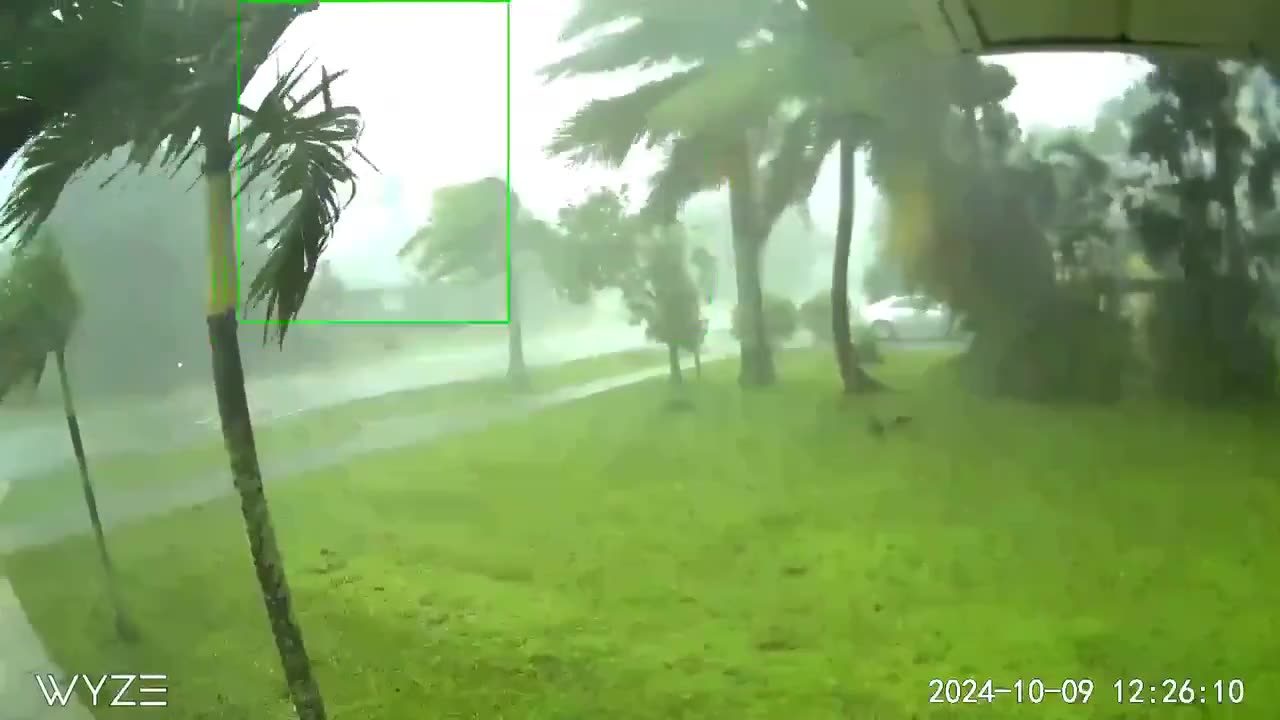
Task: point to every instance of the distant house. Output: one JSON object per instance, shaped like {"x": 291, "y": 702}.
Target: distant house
{"x": 377, "y": 303}
{"x": 419, "y": 302}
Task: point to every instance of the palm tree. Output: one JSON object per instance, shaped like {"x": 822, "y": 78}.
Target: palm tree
{"x": 466, "y": 240}
{"x": 174, "y": 91}
{"x": 719, "y": 122}
{"x": 853, "y": 378}
{"x": 38, "y": 312}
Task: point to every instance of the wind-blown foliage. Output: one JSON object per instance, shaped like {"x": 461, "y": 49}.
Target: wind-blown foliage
{"x": 465, "y": 240}
{"x": 175, "y": 93}
{"x": 173, "y": 67}
{"x": 661, "y": 293}
{"x": 38, "y": 312}
{"x": 663, "y": 280}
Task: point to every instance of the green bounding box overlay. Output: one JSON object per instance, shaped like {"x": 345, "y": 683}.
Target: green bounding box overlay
{"x": 242, "y": 281}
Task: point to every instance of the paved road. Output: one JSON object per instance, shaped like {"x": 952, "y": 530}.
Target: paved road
{"x": 190, "y": 416}
{"x": 382, "y": 434}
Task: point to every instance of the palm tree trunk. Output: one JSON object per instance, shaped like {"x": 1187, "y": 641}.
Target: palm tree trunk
{"x": 237, "y": 429}
{"x": 852, "y": 376}
{"x": 673, "y": 364}
{"x": 756, "y": 367}
{"x": 517, "y": 370}
{"x": 124, "y": 627}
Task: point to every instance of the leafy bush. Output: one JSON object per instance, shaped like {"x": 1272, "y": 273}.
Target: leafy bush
{"x": 815, "y": 316}
{"x": 867, "y": 344}
{"x": 1066, "y": 349}
{"x": 781, "y": 319}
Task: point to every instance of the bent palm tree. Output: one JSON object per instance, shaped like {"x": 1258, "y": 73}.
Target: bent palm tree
{"x": 465, "y": 240}
{"x": 176, "y": 92}
{"x": 38, "y": 312}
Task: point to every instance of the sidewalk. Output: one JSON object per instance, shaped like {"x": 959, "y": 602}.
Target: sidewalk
{"x": 22, "y": 655}
{"x": 383, "y": 434}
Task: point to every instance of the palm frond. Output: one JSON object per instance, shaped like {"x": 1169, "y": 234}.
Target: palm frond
{"x": 590, "y": 16}
{"x": 639, "y": 46}
{"x": 50, "y": 161}
{"x": 733, "y": 93}
{"x": 166, "y": 72}
{"x": 692, "y": 165}
{"x": 604, "y": 131}
{"x": 791, "y": 173}
{"x": 719, "y": 24}
{"x": 307, "y": 155}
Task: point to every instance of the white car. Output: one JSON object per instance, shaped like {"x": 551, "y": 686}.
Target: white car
{"x": 908, "y": 317}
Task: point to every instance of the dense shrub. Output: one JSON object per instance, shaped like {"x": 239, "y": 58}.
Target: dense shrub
{"x": 867, "y": 344}
{"x": 1205, "y": 348}
{"x": 1065, "y": 349}
{"x": 815, "y": 316}
{"x": 781, "y": 319}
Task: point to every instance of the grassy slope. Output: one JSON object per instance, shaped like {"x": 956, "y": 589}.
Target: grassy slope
{"x": 132, "y": 471}
{"x": 761, "y": 557}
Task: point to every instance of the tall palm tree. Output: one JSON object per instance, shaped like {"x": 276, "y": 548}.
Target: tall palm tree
{"x": 852, "y": 377}
{"x": 718, "y": 122}
{"x": 38, "y": 313}
{"x": 175, "y": 93}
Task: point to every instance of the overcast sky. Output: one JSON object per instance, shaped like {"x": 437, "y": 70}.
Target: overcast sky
{"x": 430, "y": 79}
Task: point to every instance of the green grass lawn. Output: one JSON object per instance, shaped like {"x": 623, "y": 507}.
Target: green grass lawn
{"x": 761, "y": 556}
{"x": 127, "y": 472}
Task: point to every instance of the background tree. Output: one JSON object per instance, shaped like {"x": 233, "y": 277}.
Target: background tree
{"x": 704, "y": 273}
{"x": 661, "y": 293}
{"x": 38, "y": 313}
{"x": 465, "y": 241}
{"x": 174, "y": 94}
{"x": 814, "y": 315}
{"x": 662, "y": 279}
{"x": 1205, "y": 343}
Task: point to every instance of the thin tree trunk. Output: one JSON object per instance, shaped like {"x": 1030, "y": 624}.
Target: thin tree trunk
{"x": 517, "y": 370}
{"x": 756, "y": 367}
{"x": 853, "y": 378}
{"x": 237, "y": 429}
{"x": 697, "y": 362}
{"x": 124, "y": 627}
{"x": 673, "y": 364}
